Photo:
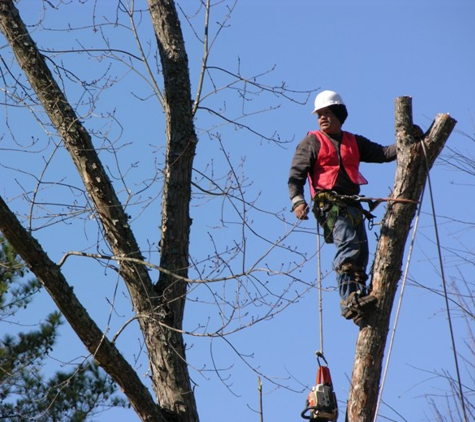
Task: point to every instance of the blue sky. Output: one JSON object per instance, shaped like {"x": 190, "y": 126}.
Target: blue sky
{"x": 371, "y": 52}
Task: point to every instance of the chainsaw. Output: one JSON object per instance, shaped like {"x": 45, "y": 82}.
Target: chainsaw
{"x": 321, "y": 405}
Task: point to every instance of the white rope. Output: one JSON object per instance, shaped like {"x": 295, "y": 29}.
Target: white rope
{"x": 461, "y": 397}
{"x": 398, "y": 310}
{"x": 319, "y": 286}
{"x": 447, "y": 305}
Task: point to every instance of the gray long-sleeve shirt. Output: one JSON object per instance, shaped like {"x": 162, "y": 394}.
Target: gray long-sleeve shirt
{"x": 306, "y": 155}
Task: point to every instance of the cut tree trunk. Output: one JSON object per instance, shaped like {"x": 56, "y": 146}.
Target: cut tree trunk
{"x": 414, "y": 160}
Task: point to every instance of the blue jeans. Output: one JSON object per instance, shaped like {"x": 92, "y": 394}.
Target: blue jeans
{"x": 351, "y": 241}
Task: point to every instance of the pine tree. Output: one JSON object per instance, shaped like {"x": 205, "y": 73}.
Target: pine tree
{"x": 25, "y": 392}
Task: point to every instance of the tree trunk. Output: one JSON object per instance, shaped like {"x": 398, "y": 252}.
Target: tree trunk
{"x": 413, "y": 164}
{"x": 169, "y": 360}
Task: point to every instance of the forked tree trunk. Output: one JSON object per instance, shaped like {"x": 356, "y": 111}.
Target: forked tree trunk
{"x": 158, "y": 306}
{"x": 414, "y": 160}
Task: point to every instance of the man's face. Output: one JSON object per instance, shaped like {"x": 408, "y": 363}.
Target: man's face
{"x": 328, "y": 122}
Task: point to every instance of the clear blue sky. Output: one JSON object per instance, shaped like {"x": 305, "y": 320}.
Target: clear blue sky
{"x": 371, "y": 52}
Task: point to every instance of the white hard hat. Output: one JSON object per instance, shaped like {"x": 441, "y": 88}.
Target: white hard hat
{"x": 325, "y": 99}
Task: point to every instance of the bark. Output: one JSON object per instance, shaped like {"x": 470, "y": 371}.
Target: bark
{"x": 104, "y": 352}
{"x": 413, "y": 165}
{"x": 176, "y": 222}
{"x": 159, "y": 307}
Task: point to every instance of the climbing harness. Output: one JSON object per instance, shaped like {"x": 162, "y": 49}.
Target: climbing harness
{"x": 326, "y": 212}
{"x": 321, "y": 405}
{"x": 328, "y": 205}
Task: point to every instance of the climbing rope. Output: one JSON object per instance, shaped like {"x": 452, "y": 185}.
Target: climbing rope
{"x": 372, "y": 202}
{"x": 396, "y": 318}
{"x": 452, "y": 336}
{"x": 447, "y": 305}
{"x": 319, "y": 287}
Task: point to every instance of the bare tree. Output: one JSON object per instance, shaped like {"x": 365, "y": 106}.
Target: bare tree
{"x": 158, "y": 305}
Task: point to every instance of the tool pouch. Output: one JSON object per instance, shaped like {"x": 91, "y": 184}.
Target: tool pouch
{"x": 328, "y": 222}
{"x": 326, "y": 212}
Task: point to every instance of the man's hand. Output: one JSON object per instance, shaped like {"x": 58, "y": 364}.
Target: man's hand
{"x": 417, "y": 132}
{"x": 301, "y": 211}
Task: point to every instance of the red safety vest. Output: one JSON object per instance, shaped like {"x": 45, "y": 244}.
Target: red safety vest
{"x": 327, "y": 165}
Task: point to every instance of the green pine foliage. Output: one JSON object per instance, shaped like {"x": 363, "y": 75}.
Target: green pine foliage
{"x": 25, "y": 394}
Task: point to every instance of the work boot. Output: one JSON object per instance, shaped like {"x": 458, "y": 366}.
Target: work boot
{"x": 361, "y": 277}
{"x": 356, "y": 305}
{"x": 358, "y": 319}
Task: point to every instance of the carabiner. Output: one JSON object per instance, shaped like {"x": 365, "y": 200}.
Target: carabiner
{"x": 319, "y": 355}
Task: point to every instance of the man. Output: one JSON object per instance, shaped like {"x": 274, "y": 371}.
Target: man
{"x": 329, "y": 159}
